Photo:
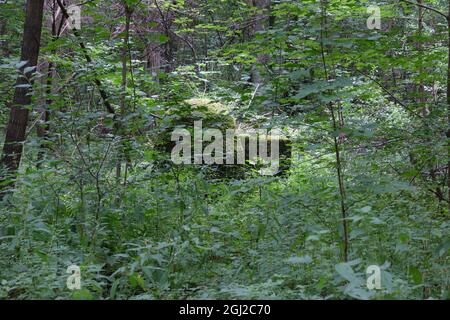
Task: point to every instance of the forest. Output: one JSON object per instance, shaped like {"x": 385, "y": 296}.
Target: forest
{"x": 224, "y": 149}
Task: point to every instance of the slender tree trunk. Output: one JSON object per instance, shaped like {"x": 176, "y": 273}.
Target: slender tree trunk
{"x": 448, "y": 109}
{"x": 123, "y": 97}
{"x": 337, "y": 124}
{"x": 421, "y": 90}
{"x": 18, "y": 118}
{"x": 260, "y": 25}
{"x": 43, "y": 128}
{"x": 154, "y": 50}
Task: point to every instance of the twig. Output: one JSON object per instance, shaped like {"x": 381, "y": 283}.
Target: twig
{"x": 253, "y": 95}
{"x": 426, "y": 7}
{"x": 396, "y": 100}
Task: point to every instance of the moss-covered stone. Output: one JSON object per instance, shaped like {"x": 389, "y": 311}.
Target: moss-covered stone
{"x": 215, "y": 115}
{"x": 285, "y": 155}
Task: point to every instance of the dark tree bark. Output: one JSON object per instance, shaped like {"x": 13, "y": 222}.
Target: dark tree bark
{"x": 18, "y": 119}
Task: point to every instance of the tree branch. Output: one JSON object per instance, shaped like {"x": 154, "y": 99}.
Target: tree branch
{"x": 426, "y": 7}
{"x": 396, "y": 100}
{"x": 89, "y": 60}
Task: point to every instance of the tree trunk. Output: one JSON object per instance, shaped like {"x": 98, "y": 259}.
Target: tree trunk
{"x": 43, "y": 128}
{"x": 123, "y": 96}
{"x": 448, "y": 109}
{"x": 259, "y": 25}
{"x": 337, "y": 124}
{"x": 18, "y": 119}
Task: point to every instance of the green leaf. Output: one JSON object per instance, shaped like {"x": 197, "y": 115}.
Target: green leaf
{"x": 82, "y": 294}
{"x": 415, "y": 275}
{"x": 112, "y": 292}
{"x": 21, "y": 64}
{"x": 300, "y": 260}
{"x": 163, "y": 38}
{"x": 443, "y": 248}
{"x": 346, "y": 272}
{"x": 366, "y": 209}
{"x": 29, "y": 69}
